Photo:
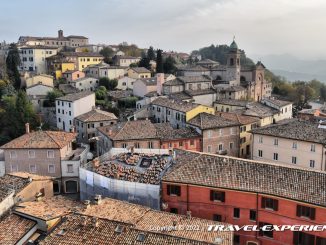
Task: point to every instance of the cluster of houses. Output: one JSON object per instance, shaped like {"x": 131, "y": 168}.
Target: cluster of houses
{"x": 209, "y": 142}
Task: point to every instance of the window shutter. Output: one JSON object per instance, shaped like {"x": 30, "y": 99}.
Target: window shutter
{"x": 212, "y": 195}
{"x": 179, "y": 191}
{"x": 168, "y": 189}
{"x": 223, "y": 197}
{"x": 298, "y": 210}
{"x": 312, "y": 213}
{"x": 263, "y": 202}
{"x": 275, "y": 205}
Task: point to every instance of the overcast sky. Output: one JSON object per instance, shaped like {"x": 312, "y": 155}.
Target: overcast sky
{"x": 261, "y": 27}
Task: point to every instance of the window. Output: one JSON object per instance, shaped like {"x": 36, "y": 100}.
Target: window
{"x": 217, "y": 196}
{"x": 231, "y": 145}
{"x": 13, "y": 154}
{"x": 243, "y": 140}
{"x": 69, "y": 113}
{"x": 192, "y": 142}
{"x": 275, "y": 141}
{"x": 236, "y": 239}
{"x": 173, "y": 190}
{"x": 137, "y": 145}
{"x": 217, "y": 217}
{"x": 32, "y": 168}
{"x": 50, "y": 154}
{"x": 174, "y": 210}
{"x": 70, "y": 168}
{"x": 59, "y": 119}
{"x": 71, "y": 186}
{"x": 260, "y": 139}
{"x": 294, "y": 160}
{"x": 209, "y": 148}
{"x": 236, "y": 213}
{"x": 31, "y": 154}
{"x": 243, "y": 129}
{"x": 124, "y": 145}
{"x": 275, "y": 156}
{"x": 220, "y": 132}
{"x": 300, "y": 238}
{"x": 209, "y": 134}
{"x": 269, "y": 203}
{"x": 260, "y": 153}
{"x": 312, "y": 163}
{"x": 150, "y": 145}
{"x": 253, "y": 215}
{"x": 265, "y": 233}
{"x": 58, "y": 110}
{"x": 313, "y": 148}
{"x": 306, "y": 212}
{"x": 180, "y": 143}
{"x": 51, "y": 169}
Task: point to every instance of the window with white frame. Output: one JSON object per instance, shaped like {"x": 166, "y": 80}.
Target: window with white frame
{"x": 13, "y": 154}
{"x": 220, "y": 147}
{"x": 124, "y": 145}
{"x": 209, "y": 134}
{"x": 32, "y": 168}
{"x": 275, "y": 156}
{"x": 295, "y": 145}
{"x": 50, "y": 154}
{"x": 31, "y": 154}
{"x": 70, "y": 168}
{"x": 260, "y": 153}
{"x": 220, "y": 132}
{"x": 231, "y": 145}
{"x": 260, "y": 139}
{"x": 209, "y": 148}
{"x": 275, "y": 141}
{"x": 312, "y": 163}
{"x": 51, "y": 168}
{"x": 294, "y": 160}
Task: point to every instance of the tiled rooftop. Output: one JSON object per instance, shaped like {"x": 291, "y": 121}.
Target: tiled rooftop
{"x": 48, "y": 208}
{"x": 294, "y": 129}
{"x": 194, "y": 79}
{"x": 140, "y": 70}
{"x": 209, "y": 121}
{"x": 41, "y": 140}
{"x": 257, "y": 109}
{"x": 96, "y": 115}
{"x": 246, "y": 175}
{"x": 241, "y": 119}
{"x": 13, "y": 228}
{"x": 175, "y": 105}
{"x": 166, "y": 132}
{"x": 200, "y": 92}
{"x": 277, "y": 102}
{"x": 75, "y": 96}
{"x": 192, "y": 68}
{"x": 137, "y": 167}
{"x": 241, "y": 103}
{"x": 152, "y": 81}
{"x": 10, "y": 183}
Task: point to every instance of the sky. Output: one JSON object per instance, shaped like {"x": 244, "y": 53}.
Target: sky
{"x": 260, "y": 27}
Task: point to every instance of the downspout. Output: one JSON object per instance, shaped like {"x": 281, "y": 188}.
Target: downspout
{"x": 257, "y": 217}
{"x": 188, "y": 197}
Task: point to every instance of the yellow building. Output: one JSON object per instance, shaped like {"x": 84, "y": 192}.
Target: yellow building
{"x": 86, "y": 59}
{"x": 63, "y": 67}
{"x": 139, "y": 72}
{"x": 199, "y": 109}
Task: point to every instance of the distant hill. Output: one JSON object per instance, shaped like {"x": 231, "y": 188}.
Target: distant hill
{"x": 294, "y": 68}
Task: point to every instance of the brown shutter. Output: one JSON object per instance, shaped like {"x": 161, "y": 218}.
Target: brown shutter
{"x": 263, "y": 202}
{"x": 275, "y": 205}
{"x": 223, "y": 197}
{"x": 168, "y": 189}
{"x": 212, "y": 195}
{"x": 299, "y": 211}
{"x": 312, "y": 213}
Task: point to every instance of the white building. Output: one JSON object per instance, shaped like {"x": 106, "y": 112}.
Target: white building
{"x": 294, "y": 142}
{"x": 85, "y": 84}
{"x": 70, "y": 106}
{"x": 105, "y": 70}
{"x": 125, "y": 83}
{"x": 33, "y": 58}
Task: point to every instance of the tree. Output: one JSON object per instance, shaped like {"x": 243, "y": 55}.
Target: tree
{"x": 169, "y": 65}
{"x": 145, "y": 62}
{"x": 100, "y": 93}
{"x": 51, "y": 97}
{"x": 12, "y": 63}
{"x": 107, "y": 83}
{"x": 159, "y": 61}
{"x": 151, "y": 53}
{"x": 107, "y": 53}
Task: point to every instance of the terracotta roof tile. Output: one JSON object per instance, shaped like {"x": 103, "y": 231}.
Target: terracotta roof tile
{"x": 209, "y": 121}
{"x": 174, "y": 104}
{"x": 241, "y": 119}
{"x": 75, "y": 96}
{"x": 96, "y": 116}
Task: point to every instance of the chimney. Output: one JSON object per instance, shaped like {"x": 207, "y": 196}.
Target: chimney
{"x": 110, "y": 132}
{"x": 96, "y": 163}
{"x": 159, "y": 83}
{"x": 27, "y": 128}
{"x": 189, "y": 214}
{"x": 38, "y": 196}
{"x": 73, "y": 129}
{"x": 84, "y": 221}
{"x": 87, "y": 203}
{"x": 98, "y": 199}
{"x": 60, "y": 34}
{"x": 95, "y": 222}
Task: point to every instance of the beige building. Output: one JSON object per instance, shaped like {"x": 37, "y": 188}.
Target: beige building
{"x": 298, "y": 143}
{"x": 139, "y": 72}
{"x": 125, "y": 61}
{"x": 72, "y": 75}
{"x": 33, "y": 58}
{"x": 39, "y": 79}
{"x": 125, "y": 83}
{"x": 47, "y": 153}
{"x": 220, "y": 135}
{"x": 105, "y": 70}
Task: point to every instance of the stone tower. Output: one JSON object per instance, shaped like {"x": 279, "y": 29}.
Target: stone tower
{"x": 233, "y": 64}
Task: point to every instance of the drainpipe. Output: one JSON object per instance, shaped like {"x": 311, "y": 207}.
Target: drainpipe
{"x": 257, "y": 218}
{"x": 188, "y": 197}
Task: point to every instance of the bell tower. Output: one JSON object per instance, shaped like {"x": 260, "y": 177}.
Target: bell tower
{"x": 233, "y": 64}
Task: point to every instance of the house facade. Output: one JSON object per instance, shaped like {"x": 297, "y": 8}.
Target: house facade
{"x": 85, "y": 83}
{"x": 228, "y": 192}
{"x": 125, "y": 61}
{"x": 297, "y": 143}
{"x": 139, "y": 72}
{"x": 105, "y": 70}
{"x": 71, "y": 106}
{"x": 125, "y": 83}
{"x": 72, "y": 75}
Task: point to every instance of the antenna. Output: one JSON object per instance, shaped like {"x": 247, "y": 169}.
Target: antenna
{"x": 233, "y": 38}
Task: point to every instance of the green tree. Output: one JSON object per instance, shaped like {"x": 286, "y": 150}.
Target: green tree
{"x": 151, "y": 53}
{"x": 101, "y": 93}
{"x": 107, "y": 53}
{"x": 51, "y": 97}
{"x": 145, "y": 62}
{"x": 109, "y": 84}
{"x": 159, "y": 61}
{"x": 169, "y": 65}
{"x": 12, "y": 63}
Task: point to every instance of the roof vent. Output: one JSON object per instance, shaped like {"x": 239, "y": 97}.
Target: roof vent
{"x": 140, "y": 237}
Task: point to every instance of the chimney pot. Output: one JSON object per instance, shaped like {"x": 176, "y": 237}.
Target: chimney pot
{"x": 27, "y": 128}
{"x": 98, "y": 199}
